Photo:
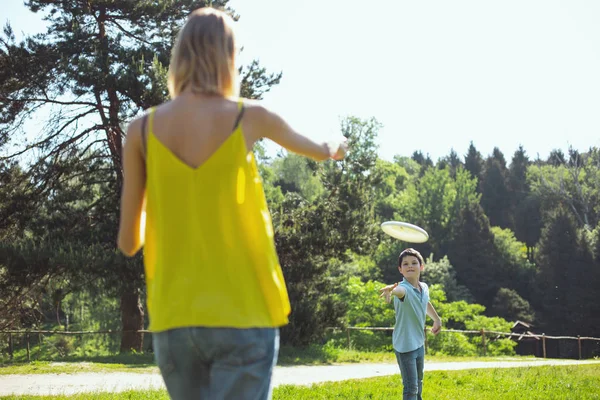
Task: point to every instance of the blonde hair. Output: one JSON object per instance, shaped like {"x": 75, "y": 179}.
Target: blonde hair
{"x": 203, "y": 57}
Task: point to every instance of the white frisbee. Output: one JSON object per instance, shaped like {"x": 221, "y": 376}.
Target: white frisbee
{"x": 404, "y": 231}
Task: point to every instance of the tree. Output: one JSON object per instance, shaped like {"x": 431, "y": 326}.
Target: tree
{"x": 593, "y": 281}
{"x": 474, "y": 162}
{"x": 309, "y": 234}
{"x": 556, "y": 158}
{"x": 494, "y": 190}
{"x": 442, "y": 273}
{"x": 577, "y": 186}
{"x": 517, "y": 183}
{"x": 428, "y": 203}
{"x": 433, "y": 202}
{"x": 424, "y": 162}
{"x": 474, "y": 255}
{"x": 528, "y": 223}
{"x": 98, "y": 65}
{"x": 510, "y": 306}
{"x": 17, "y": 201}
{"x": 452, "y": 161}
{"x": 567, "y": 278}
{"x": 296, "y": 173}
{"x": 393, "y": 179}
{"x": 514, "y": 271}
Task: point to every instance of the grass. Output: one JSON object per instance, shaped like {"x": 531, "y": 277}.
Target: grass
{"x": 144, "y": 363}
{"x": 537, "y": 383}
{"x": 577, "y": 382}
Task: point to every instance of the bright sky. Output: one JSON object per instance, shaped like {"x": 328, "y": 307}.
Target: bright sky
{"x": 437, "y": 74}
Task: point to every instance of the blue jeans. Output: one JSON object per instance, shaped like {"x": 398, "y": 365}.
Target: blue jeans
{"x": 217, "y": 363}
{"x": 411, "y": 368}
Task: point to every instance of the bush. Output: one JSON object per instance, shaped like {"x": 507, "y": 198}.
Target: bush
{"x": 450, "y": 344}
{"x": 62, "y": 345}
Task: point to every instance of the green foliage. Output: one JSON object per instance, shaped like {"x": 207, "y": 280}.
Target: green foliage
{"x": 473, "y": 254}
{"x": 474, "y": 162}
{"x": 576, "y": 185}
{"x": 434, "y": 202}
{"x": 295, "y": 173}
{"x": 354, "y": 265}
{"x": 528, "y": 223}
{"x": 566, "y": 262}
{"x": 427, "y": 203}
{"x": 310, "y": 234}
{"x": 513, "y": 266}
{"x": 273, "y": 193}
{"x": 509, "y": 305}
{"x": 451, "y": 344}
{"x": 364, "y": 306}
{"x": 461, "y": 315}
{"x": 442, "y": 273}
{"x": 494, "y": 190}
{"x": 495, "y": 346}
{"x": 456, "y": 314}
{"x": 393, "y": 179}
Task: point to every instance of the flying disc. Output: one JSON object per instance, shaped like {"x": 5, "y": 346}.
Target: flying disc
{"x": 404, "y": 231}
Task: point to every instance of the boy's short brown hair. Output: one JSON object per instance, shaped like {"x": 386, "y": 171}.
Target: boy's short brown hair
{"x": 410, "y": 252}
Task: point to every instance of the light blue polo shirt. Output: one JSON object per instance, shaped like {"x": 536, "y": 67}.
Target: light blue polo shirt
{"x": 411, "y": 311}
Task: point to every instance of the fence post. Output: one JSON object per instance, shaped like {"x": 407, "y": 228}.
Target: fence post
{"x": 40, "y": 341}
{"x": 544, "y": 343}
{"x": 483, "y": 342}
{"x": 28, "y": 356}
{"x": 579, "y": 345}
{"x": 10, "y": 346}
{"x": 348, "y": 336}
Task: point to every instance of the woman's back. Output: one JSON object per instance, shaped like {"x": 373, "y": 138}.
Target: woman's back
{"x": 194, "y": 127}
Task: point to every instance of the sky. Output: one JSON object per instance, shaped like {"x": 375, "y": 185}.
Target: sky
{"x": 436, "y": 74}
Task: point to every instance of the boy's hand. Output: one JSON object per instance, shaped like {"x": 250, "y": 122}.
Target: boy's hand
{"x": 386, "y": 289}
{"x": 437, "y": 326}
{"x": 387, "y": 292}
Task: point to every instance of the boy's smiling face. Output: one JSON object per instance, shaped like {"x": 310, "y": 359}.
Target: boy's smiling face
{"x": 410, "y": 267}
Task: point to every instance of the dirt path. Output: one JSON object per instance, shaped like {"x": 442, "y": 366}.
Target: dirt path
{"x": 52, "y": 384}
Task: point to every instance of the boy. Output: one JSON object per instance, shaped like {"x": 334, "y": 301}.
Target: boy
{"x": 411, "y": 304}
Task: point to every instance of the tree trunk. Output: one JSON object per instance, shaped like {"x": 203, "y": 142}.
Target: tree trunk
{"x": 132, "y": 319}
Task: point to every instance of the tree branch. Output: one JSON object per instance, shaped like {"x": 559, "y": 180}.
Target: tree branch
{"x": 48, "y": 100}
{"x": 48, "y": 138}
{"x": 126, "y": 32}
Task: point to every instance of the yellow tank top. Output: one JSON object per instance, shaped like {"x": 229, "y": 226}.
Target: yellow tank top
{"x": 209, "y": 253}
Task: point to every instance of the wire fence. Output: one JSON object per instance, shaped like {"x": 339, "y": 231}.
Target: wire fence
{"x": 485, "y": 335}
{"x": 30, "y": 336}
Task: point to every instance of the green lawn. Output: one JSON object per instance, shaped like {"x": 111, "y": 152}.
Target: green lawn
{"x": 144, "y": 363}
{"x": 536, "y": 383}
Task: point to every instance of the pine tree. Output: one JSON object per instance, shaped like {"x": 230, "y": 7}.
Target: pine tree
{"x": 494, "y": 190}
{"x": 558, "y": 259}
{"x": 517, "y": 184}
{"x": 98, "y": 65}
{"x": 556, "y": 158}
{"x": 473, "y": 254}
{"x": 474, "y": 162}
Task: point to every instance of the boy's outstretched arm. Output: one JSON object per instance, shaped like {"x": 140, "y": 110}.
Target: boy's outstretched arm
{"x": 437, "y": 321}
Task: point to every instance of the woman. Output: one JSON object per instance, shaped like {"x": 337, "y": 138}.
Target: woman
{"x": 216, "y": 294}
